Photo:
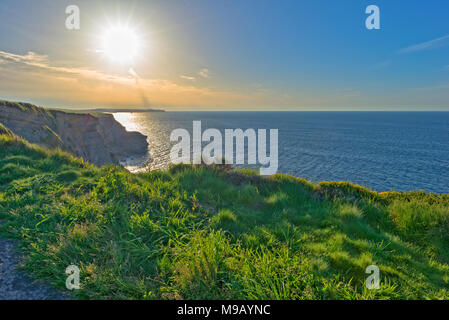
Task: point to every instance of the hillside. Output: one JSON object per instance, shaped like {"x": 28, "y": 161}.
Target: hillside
{"x": 95, "y": 137}
{"x": 217, "y": 233}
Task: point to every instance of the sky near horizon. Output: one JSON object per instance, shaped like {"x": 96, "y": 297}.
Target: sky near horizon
{"x": 229, "y": 55}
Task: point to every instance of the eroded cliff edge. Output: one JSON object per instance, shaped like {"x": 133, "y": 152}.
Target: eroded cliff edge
{"x": 97, "y": 138}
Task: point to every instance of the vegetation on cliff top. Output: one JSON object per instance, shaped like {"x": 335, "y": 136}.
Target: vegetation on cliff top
{"x": 28, "y": 107}
{"x": 217, "y": 233}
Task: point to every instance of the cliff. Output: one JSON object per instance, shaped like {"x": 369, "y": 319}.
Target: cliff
{"x": 97, "y": 138}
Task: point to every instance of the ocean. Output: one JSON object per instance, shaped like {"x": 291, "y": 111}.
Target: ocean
{"x": 383, "y": 151}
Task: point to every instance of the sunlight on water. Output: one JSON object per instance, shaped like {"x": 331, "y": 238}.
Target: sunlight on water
{"x": 380, "y": 150}
{"x": 131, "y": 123}
{"x": 128, "y": 120}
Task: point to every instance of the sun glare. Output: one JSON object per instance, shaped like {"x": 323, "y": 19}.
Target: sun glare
{"x": 121, "y": 44}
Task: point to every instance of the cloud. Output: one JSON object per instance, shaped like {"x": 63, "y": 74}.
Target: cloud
{"x": 34, "y": 77}
{"x": 187, "y": 78}
{"x": 30, "y": 58}
{"x": 204, "y": 73}
{"x": 429, "y": 45}
{"x": 35, "y": 62}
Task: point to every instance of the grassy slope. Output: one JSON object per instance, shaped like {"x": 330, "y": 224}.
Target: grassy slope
{"x": 215, "y": 233}
{"x": 31, "y": 108}
{"x": 4, "y": 130}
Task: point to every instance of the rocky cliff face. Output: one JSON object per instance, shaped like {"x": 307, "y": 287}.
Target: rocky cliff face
{"x": 99, "y": 139}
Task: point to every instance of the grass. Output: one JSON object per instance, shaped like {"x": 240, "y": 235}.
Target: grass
{"x": 5, "y": 131}
{"x": 27, "y": 107}
{"x": 196, "y": 232}
{"x": 46, "y": 112}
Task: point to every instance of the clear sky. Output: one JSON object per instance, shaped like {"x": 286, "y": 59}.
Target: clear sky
{"x": 229, "y": 55}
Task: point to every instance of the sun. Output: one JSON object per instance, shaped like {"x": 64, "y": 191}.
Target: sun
{"x": 121, "y": 44}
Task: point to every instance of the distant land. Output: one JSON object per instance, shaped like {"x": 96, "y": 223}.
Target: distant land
{"x": 123, "y": 110}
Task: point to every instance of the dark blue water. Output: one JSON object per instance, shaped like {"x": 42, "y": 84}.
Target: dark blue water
{"x": 380, "y": 150}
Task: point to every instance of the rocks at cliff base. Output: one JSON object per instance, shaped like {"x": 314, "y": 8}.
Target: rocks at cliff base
{"x": 97, "y": 138}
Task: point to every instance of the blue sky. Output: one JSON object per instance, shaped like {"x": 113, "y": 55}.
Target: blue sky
{"x": 230, "y": 55}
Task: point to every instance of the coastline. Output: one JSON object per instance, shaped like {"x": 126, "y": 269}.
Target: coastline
{"x": 97, "y": 138}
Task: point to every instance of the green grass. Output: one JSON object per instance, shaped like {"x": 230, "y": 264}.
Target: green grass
{"x": 46, "y": 112}
{"x": 5, "y": 131}
{"x": 217, "y": 233}
{"x": 27, "y": 107}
